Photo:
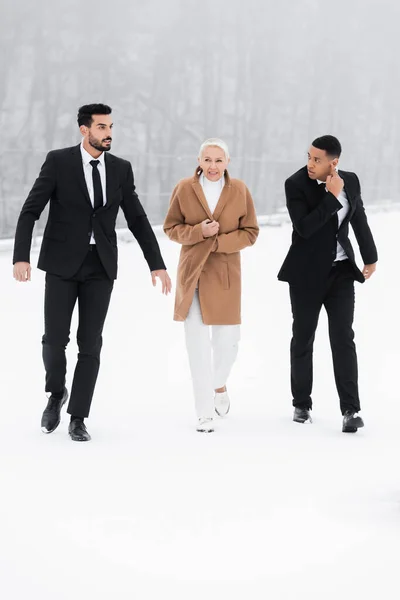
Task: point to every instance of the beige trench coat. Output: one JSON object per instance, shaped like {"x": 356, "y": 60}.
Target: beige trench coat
{"x": 212, "y": 263}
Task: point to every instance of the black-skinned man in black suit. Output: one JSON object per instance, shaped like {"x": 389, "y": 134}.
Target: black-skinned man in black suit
{"x": 320, "y": 269}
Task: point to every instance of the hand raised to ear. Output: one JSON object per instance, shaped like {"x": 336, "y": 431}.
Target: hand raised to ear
{"x": 334, "y": 183}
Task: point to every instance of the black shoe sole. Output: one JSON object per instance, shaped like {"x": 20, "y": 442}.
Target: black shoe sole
{"x": 46, "y": 431}
{"x": 355, "y": 427}
{"x": 79, "y": 439}
{"x": 349, "y": 429}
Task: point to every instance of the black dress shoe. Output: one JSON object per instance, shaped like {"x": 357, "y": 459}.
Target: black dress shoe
{"x": 52, "y": 412}
{"x": 78, "y": 432}
{"x": 302, "y": 415}
{"x": 351, "y": 422}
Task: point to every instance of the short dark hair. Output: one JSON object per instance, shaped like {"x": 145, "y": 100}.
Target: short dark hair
{"x": 330, "y": 144}
{"x": 86, "y": 112}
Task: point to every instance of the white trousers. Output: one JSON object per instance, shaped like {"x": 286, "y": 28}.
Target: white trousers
{"x": 210, "y": 357}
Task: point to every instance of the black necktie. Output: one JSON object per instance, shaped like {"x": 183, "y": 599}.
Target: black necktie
{"x": 97, "y": 189}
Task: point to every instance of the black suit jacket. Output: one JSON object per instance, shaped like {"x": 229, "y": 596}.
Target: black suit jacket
{"x": 72, "y": 218}
{"x": 315, "y": 229}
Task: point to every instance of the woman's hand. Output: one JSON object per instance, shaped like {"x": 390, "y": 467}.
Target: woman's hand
{"x": 209, "y": 228}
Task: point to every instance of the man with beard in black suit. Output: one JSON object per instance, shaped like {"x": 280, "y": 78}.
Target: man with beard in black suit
{"x": 86, "y": 186}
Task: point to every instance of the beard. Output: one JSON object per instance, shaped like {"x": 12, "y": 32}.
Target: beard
{"x": 99, "y": 144}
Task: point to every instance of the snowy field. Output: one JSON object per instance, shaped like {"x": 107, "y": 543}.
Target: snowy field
{"x": 264, "y": 508}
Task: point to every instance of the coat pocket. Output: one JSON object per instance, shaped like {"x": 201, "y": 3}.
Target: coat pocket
{"x": 55, "y": 231}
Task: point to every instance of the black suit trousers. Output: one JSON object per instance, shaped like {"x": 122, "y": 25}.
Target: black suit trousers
{"x": 92, "y": 288}
{"x": 337, "y": 296}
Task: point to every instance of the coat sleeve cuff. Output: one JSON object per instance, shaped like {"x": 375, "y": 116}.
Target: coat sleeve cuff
{"x": 157, "y": 265}
{"x": 332, "y": 203}
{"x": 198, "y": 234}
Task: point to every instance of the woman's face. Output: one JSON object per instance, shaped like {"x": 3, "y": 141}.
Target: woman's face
{"x": 213, "y": 162}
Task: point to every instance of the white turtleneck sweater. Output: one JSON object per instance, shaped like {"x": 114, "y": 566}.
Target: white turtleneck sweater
{"x": 212, "y": 190}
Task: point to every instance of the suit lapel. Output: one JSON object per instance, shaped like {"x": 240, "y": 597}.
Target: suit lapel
{"x": 111, "y": 178}
{"x": 348, "y": 188}
{"x": 350, "y": 197}
{"x": 78, "y": 171}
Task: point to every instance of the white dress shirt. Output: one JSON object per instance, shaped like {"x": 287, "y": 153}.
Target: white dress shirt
{"x": 212, "y": 190}
{"x": 341, "y": 214}
{"x": 88, "y": 172}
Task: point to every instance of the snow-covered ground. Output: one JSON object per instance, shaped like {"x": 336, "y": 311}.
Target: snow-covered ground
{"x": 262, "y": 509}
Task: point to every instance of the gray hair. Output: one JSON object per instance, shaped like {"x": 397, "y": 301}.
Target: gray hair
{"x": 214, "y": 142}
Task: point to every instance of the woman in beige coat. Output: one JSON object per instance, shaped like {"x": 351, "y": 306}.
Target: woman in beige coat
{"x": 213, "y": 217}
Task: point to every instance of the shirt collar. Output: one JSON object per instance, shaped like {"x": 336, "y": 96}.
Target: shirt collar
{"x": 86, "y": 157}
{"x": 216, "y": 184}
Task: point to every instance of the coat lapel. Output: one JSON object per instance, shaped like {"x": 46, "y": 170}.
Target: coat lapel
{"x": 202, "y": 199}
{"x": 223, "y": 199}
{"x": 198, "y": 190}
{"x": 78, "y": 170}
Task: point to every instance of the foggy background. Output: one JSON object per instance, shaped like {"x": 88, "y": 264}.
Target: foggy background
{"x": 266, "y": 76}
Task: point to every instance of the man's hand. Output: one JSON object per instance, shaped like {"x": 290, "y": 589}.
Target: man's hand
{"x": 334, "y": 183}
{"x": 368, "y": 270}
{"x": 22, "y": 271}
{"x": 164, "y": 278}
{"x": 209, "y": 228}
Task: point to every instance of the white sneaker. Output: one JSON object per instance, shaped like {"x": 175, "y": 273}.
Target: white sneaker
{"x": 205, "y": 425}
{"x": 222, "y": 403}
